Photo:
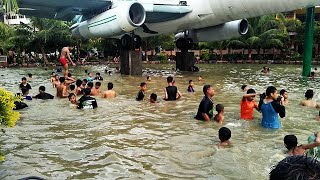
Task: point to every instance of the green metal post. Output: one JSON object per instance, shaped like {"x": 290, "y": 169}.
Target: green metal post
{"x": 308, "y": 42}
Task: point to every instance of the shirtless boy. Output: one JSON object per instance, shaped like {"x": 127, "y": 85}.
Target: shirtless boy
{"x": 308, "y": 102}
{"x": 109, "y": 93}
{"x": 291, "y": 143}
{"x": 62, "y": 88}
{"x": 64, "y": 57}
{"x": 95, "y": 91}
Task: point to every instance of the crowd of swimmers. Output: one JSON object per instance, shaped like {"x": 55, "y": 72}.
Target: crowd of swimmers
{"x": 271, "y": 104}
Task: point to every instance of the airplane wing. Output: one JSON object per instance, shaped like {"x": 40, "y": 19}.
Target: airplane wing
{"x": 69, "y": 10}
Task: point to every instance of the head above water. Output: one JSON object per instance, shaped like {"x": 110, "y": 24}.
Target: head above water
{"x": 110, "y": 85}
{"x": 290, "y": 141}
{"x": 87, "y": 91}
{"x": 143, "y": 86}
{"x": 78, "y": 82}
{"x": 224, "y": 134}
{"x": 90, "y": 74}
{"x": 219, "y": 108}
{"x": 272, "y": 92}
{"x": 72, "y": 87}
{"x": 253, "y": 92}
{"x": 72, "y": 97}
{"x": 309, "y": 94}
{"x": 98, "y": 74}
{"x": 62, "y": 79}
{"x": 170, "y": 79}
{"x": 208, "y": 90}
{"x": 30, "y": 75}
{"x": 90, "y": 85}
{"x": 24, "y": 80}
{"x": 244, "y": 87}
{"x": 69, "y": 75}
{"x": 97, "y": 85}
{"x": 296, "y": 168}
{"x": 42, "y": 89}
{"x": 153, "y": 98}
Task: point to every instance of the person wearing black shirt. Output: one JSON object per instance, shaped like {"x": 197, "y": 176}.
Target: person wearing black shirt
{"x": 143, "y": 88}
{"x": 171, "y": 92}
{"x": 24, "y": 84}
{"x": 42, "y": 94}
{"x": 205, "y": 110}
{"x": 86, "y": 101}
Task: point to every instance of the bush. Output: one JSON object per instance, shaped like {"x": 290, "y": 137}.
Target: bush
{"x": 162, "y": 58}
{"x": 8, "y": 117}
{"x": 205, "y": 55}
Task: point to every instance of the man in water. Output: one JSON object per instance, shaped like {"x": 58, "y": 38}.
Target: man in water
{"x": 309, "y": 102}
{"x": 62, "y": 88}
{"x": 109, "y": 93}
{"x": 42, "y": 94}
{"x": 206, "y": 105}
{"x": 86, "y": 101}
{"x": 64, "y": 57}
{"x": 291, "y": 143}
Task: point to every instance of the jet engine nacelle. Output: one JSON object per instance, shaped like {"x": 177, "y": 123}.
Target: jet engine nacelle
{"x": 116, "y": 21}
{"x": 217, "y": 33}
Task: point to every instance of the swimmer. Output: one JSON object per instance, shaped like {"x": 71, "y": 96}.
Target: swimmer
{"x": 73, "y": 99}
{"x": 219, "y": 118}
{"x": 265, "y": 70}
{"x": 84, "y": 83}
{"x": 309, "y": 102}
{"x": 284, "y": 97}
{"x": 90, "y": 85}
{"x": 224, "y": 136}
{"x": 52, "y": 79}
{"x": 56, "y": 82}
{"x": 245, "y": 88}
{"x": 248, "y": 105}
{"x": 190, "y": 87}
{"x": 141, "y": 93}
{"x": 42, "y": 94}
{"x": 89, "y": 78}
{"x": 72, "y": 88}
{"x": 148, "y": 78}
{"x": 79, "y": 87}
{"x": 24, "y": 83}
{"x": 25, "y": 94}
{"x": 312, "y": 75}
{"x": 291, "y": 143}
{"x": 86, "y": 101}
{"x": 153, "y": 98}
{"x": 98, "y": 77}
{"x": 110, "y": 93}
{"x": 30, "y": 76}
{"x": 118, "y": 70}
{"x": 296, "y": 167}
{"x": 96, "y": 90}
{"x": 200, "y": 78}
{"x": 62, "y": 88}
{"x": 171, "y": 92}
{"x": 64, "y": 57}
{"x": 270, "y": 108}
{"x": 206, "y": 105}
{"x": 70, "y": 78}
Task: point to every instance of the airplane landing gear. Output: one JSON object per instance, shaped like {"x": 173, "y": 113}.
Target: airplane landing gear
{"x": 184, "y": 44}
{"x": 131, "y": 42}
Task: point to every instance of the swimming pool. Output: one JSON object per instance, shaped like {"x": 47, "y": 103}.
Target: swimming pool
{"x": 124, "y": 138}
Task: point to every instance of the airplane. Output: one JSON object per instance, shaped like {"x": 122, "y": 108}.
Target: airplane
{"x": 131, "y": 20}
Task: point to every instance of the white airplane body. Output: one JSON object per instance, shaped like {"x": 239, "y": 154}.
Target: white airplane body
{"x": 199, "y": 20}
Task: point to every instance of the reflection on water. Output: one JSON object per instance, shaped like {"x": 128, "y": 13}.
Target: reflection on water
{"x": 128, "y": 139}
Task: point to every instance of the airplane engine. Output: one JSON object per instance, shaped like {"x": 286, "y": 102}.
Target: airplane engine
{"x": 217, "y": 33}
{"x": 113, "y": 22}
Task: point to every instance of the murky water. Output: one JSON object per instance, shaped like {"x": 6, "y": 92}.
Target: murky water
{"x": 128, "y": 139}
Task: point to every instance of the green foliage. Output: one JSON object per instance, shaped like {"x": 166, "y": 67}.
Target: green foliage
{"x": 205, "y": 54}
{"x": 8, "y": 117}
{"x": 10, "y": 6}
{"x": 162, "y": 58}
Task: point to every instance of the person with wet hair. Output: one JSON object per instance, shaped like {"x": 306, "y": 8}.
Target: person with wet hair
{"x": 219, "y": 118}
{"x": 79, "y": 88}
{"x": 224, "y": 136}
{"x": 244, "y": 88}
{"x": 24, "y": 83}
{"x": 73, "y": 99}
{"x": 190, "y": 87}
{"x": 296, "y": 168}
{"x": 291, "y": 143}
{"x": 153, "y": 98}
{"x": 248, "y": 105}
{"x": 270, "y": 108}
{"x": 62, "y": 88}
{"x": 142, "y": 91}
{"x": 42, "y": 94}
{"x": 96, "y": 90}
{"x": 284, "y": 97}
{"x": 205, "y": 110}
{"x": 86, "y": 101}
{"x": 171, "y": 92}
{"x": 309, "y": 102}
{"x": 110, "y": 93}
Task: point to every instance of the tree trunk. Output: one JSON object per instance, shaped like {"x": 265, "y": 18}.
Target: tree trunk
{"x": 45, "y": 59}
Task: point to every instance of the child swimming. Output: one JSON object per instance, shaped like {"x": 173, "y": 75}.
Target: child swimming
{"x": 141, "y": 93}
{"x": 190, "y": 87}
{"x": 284, "y": 97}
{"x": 248, "y": 105}
{"x": 220, "y": 116}
{"x": 153, "y": 98}
{"x": 110, "y": 93}
{"x": 291, "y": 143}
{"x": 96, "y": 90}
{"x": 308, "y": 102}
{"x": 224, "y": 136}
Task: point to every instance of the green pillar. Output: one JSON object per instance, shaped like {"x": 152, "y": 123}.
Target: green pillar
{"x": 308, "y": 42}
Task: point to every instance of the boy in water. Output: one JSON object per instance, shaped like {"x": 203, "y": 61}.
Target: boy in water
{"x": 270, "y": 108}
{"x": 98, "y": 77}
{"x": 141, "y": 93}
{"x": 153, "y": 98}
{"x": 206, "y": 105}
{"x": 244, "y": 88}
{"x": 291, "y": 143}
{"x": 190, "y": 87}
{"x": 224, "y": 136}
{"x": 248, "y": 105}
{"x": 73, "y": 99}
{"x": 171, "y": 92}
{"x": 309, "y": 102}
{"x": 56, "y": 82}
{"x": 200, "y": 78}
{"x": 86, "y": 101}
{"x": 84, "y": 83}
{"x": 284, "y": 97}
{"x": 79, "y": 87}
{"x": 62, "y": 88}
{"x": 30, "y": 76}
{"x": 72, "y": 89}
{"x": 42, "y": 94}
{"x": 24, "y": 83}
{"x": 25, "y": 94}
{"x": 70, "y": 78}
{"x": 64, "y": 57}
{"x": 89, "y": 78}
{"x": 219, "y": 118}
{"x": 148, "y": 78}
{"x": 90, "y": 85}
{"x": 96, "y": 90}
{"x": 109, "y": 93}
